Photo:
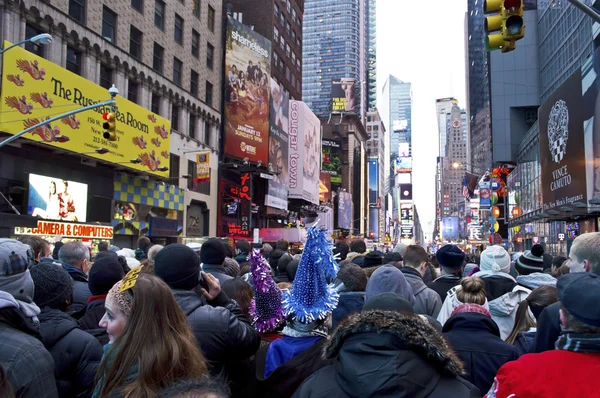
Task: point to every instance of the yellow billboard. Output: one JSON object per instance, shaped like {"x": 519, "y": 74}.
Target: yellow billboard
{"x": 35, "y": 89}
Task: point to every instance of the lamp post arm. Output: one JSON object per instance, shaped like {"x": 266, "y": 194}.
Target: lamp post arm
{"x": 111, "y": 102}
{"x": 591, "y": 12}
{"x": 14, "y": 45}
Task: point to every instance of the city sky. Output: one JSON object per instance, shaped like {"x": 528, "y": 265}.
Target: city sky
{"x": 422, "y": 42}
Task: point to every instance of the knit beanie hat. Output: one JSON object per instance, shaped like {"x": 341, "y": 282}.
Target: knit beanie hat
{"x": 265, "y": 309}
{"x": 212, "y": 252}
{"x": 15, "y": 279}
{"x": 450, "y": 256}
{"x": 105, "y": 272}
{"x": 531, "y": 261}
{"x": 232, "y": 268}
{"x": 311, "y": 298}
{"x": 392, "y": 257}
{"x": 372, "y": 259}
{"x": 178, "y": 266}
{"x": 471, "y": 307}
{"x": 353, "y": 277}
{"x": 389, "y": 279}
{"x": 495, "y": 259}
{"x": 388, "y": 302}
{"x": 53, "y": 285}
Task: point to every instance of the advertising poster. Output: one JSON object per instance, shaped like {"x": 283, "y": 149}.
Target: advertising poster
{"x": 406, "y": 214}
{"x": 277, "y": 194}
{"x": 406, "y": 192}
{"x": 406, "y": 231}
{"x": 403, "y": 164}
{"x": 343, "y": 95}
{"x": 344, "y": 220}
{"x": 562, "y": 146}
{"x": 304, "y": 153}
{"x": 247, "y": 71}
{"x": 202, "y": 167}
{"x": 325, "y": 187}
{"x": 373, "y": 181}
{"x": 56, "y": 199}
{"x": 591, "y": 107}
{"x": 485, "y": 192}
{"x": 35, "y": 89}
{"x": 331, "y": 161}
{"x": 404, "y": 149}
{"x": 450, "y": 228}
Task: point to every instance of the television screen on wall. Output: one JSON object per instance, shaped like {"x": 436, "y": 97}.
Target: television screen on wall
{"x": 53, "y": 198}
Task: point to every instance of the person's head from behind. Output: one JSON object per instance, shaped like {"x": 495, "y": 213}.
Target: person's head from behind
{"x": 557, "y": 262}
{"x": 153, "y": 252}
{"x": 342, "y": 249}
{"x": 242, "y": 247}
{"x": 495, "y": 259}
{"x": 229, "y": 252}
{"x": 282, "y": 244}
{"x": 41, "y": 248}
{"x": 240, "y": 291}
{"x": 53, "y": 286}
{"x": 389, "y": 279}
{"x": 416, "y": 257}
{"x": 179, "y": 266}
{"x": 266, "y": 250}
{"x": 579, "y": 294}
{"x": 147, "y": 329}
{"x": 351, "y": 278}
{"x": 76, "y": 254}
{"x": 212, "y": 252}
{"x": 103, "y": 246}
{"x": 472, "y": 291}
{"x": 585, "y": 253}
{"x": 143, "y": 241}
{"x": 534, "y": 304}
{"x": 358, "y": 246}
{"x": 206, "y": 387}
{"x": 105, "y": 272}
{"x": 451, "y": 259}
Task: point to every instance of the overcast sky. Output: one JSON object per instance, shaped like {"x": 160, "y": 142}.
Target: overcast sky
{"x": 423, "y": 42}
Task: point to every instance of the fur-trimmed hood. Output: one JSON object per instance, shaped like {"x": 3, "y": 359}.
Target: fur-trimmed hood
{"x": 411, "y": 333}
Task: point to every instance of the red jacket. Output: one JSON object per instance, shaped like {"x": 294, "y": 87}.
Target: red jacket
{"x": 556, "y": 373}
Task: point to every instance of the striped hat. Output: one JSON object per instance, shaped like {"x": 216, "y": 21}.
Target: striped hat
{"x": 531, "y": 261}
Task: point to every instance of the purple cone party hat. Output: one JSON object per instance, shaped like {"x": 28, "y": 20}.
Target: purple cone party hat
{"x": 265, "y": 309}
{"x": 310, "y": 297}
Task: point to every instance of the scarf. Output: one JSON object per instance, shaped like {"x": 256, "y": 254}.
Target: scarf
{"x": 579, "y": 342}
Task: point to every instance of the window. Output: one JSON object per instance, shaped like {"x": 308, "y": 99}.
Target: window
{"x": 73, "y": 60}
{"x": 135, "y": 42}
{"x": 173, "y": 166}
{"x": 192, "y": 126}
{"x": 282, "y": 43}
{"x": 157, "y": 60}
{"x": 275, "y": 34}
{"x": 287, "y": 50}
{"x": 289, "y": 7}
{"x": 276, "y": 10}
{"x": 288, "y": 74}
{"x": 77, "y": 10}
{"x": 210, "y": 53}
{"x": 178, "y": 29}
{"x": 293, "y": 14}
{"x": 109, "y": 25}
{"x": 287, "y": 27}
{"x": 155, "y": 103}
{"x": 195, "y": 44}
{"x": 196, "y": 8}
{"x": 132, "y": 91}
{"x": 177, "y": 71}
{"x": 30, "y": 32}
{"x": 174, "y": 117}
{"x": 298, "y": 63}
{"x": 192, "y": 171}
{"x": 282, "y": 20}
{"x": 211, "y": 19}
{"x": 159, "y": 14}
{"x": 209, "y": 93}
{"x": 194, "y": 83}
{"x": 105, "y": 77}
{"x": 275, "y": 58}
{"x": 293, "y": 36}
{"x": 293, "y": 59}
{"x": 138, "y": 5}
{"x": 206, "y": 138}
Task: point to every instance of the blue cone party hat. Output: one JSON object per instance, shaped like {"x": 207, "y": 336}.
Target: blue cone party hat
{"x": 265, "y": 309}
{"x": 310, "y": 297}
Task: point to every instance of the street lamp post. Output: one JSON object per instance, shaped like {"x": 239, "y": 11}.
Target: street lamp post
{"x": 43, "y": 38}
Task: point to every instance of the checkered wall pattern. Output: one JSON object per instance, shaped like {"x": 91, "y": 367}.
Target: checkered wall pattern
{"x": 136, "y": 190}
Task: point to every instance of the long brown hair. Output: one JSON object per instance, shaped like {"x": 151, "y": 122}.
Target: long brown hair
{"x": 156, "y": 339}
{"x": 543, "y": 296}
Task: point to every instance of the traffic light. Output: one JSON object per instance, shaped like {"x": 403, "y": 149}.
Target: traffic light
{"x": 506, "y": 27}
{"x": 109, "y": 126}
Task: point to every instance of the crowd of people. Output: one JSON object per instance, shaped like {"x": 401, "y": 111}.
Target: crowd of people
{"x": 217, "y": 321}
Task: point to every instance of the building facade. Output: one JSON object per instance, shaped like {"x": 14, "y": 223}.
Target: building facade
{"x": 455, "y": 163}
{"x": 375, "y": 146}
{"x": 371, "y": 77}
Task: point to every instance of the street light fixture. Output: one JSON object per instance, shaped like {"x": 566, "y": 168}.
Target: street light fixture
{"x": 61, "y": 139}
{"x": 43, "y": 38}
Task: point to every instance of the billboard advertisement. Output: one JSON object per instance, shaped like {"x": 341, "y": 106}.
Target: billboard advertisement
{"x": 331, "y": 161}
{"x": 373, "y": 181}
{"x": 406, "y": 231}
{"x": 406, "y": 192}
{"x": 450, "y": 228}
{"x": 406, "y": 214}
{"x": 344, "y": 219}
{"x": 304, "y": 153}
{"x": 404, "y": 149}
{"x": 400, "y": 125}
{"x": 56, "y": 199}
{"x": 248, "y": 68}
{"x": 562, "y": 144}
{"x": 325, "y": 187}
{"x": 403, "y": 164}
{"x": 343, "y": 95}
{"x": 277, "y": 194}
{"x": 35, "y": 89}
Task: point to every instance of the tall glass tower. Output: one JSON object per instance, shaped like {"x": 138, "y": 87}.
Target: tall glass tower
{"x": 371, "y": 54}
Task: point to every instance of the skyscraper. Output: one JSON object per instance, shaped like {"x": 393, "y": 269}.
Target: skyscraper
{"x": 443, "y": 106}
{"x": 334, "y": 47}
{"x": 371, "y": 54}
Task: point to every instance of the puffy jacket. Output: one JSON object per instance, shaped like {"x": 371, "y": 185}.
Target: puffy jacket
{"x": 218, "y": 271}
{"x": 496, "y": 283}
{"x": 224, "y": 334}
{"x": 76, "y": 353}
{"x": 377, "y": 356}
{"x": 427, "y": 301}
{"x": 475, "y": 338}
{"x": 81, "y": 291}
{"x": 349, "y": 303}
{"x": 89, "y": 319}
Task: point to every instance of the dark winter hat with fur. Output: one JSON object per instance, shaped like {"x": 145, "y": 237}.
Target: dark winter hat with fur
{"x": 372, "y": 259}
{"x": 531, "y": 261}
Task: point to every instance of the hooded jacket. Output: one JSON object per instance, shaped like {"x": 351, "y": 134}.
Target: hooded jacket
{"x": 496, "y": 283}
{"x": 451, "y": 303}
{"x": 349, "y": 303}
{"x": 475, "y": 338}
{"x": 385, "y": 354}
{"x": 427, "y": 301}
{"x": 29, "y": 366}
{"x": 76, "y": 353}
{"x": 444, "y": 283}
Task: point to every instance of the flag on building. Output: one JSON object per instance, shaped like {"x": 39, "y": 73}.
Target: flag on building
{"x": 202, "y": 167}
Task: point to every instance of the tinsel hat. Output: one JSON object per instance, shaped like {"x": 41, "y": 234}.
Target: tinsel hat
{"x": 310, "y": 297}
{"x": 265, "y": 309}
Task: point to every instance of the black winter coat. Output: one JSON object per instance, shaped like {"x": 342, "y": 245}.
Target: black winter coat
{"x": 224, "y": 335}
{"x": 76, "y": 353}
{"x": 443, "y": 284}
{"x": 349, "y": 303}
{"x": 376, "y": 357}
{"x": 497, "y": 285}
{"x": 475, "y": 338}
{"x": 89, "y": 319}
{"x": 548, "y": 329}
{"x": 274, "y": 258}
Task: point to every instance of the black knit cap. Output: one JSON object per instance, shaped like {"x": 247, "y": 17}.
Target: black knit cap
{"x": 212, "y": 252}
{"x": 372, "y": 259}
{"x": 105, "y": 272}
{"x": 178, "y": 265}
{"x": 389, "y": 302}
{"x": 53, "y": 285}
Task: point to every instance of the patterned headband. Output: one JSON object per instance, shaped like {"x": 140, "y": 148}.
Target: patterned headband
{"x": 118, "y": 293}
